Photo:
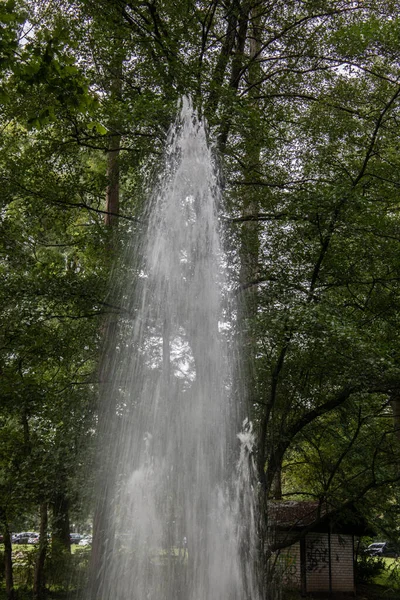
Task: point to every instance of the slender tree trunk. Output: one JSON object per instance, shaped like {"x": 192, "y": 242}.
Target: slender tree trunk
{"x": 106, "y": 442}
{"x": 60, "y": 526}
{"x": 232, "y": 13}
{"x": 243, "y": 10}
{"x": 39, "y": 588}
{"x": 249, "y": 256}
{"x": 250, "y": 242}
{"x": 112, "y": 193}
{"x": 102, "y": 528}
{"x": 276, "y": 492}
{"x": 395, "y": 403}
{"x": 8, "y": 565}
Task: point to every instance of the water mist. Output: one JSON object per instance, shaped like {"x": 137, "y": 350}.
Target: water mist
{"x": 181, "y": 522}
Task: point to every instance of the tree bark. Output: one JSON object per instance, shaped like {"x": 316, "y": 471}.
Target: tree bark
{"x": 395, "y": 403}
{"x": 112, "y": 192}
{"x": 39, "y": 588}
{"x": 102, "y": 529}
{"x": 242, "y": 25}
{"x": 276, "y": 491}
{"x": 232, "y": 13}
{"x": 106, "y": 440}
{"x": 8, "y": 565}
{"x": 249, "y": 242}
{"x": 60, "y": 525}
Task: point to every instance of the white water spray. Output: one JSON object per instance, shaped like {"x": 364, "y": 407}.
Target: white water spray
{"x": 182, "y": 524}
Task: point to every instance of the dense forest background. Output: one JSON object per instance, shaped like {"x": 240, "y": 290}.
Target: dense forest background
{"x": 302, "y": 103}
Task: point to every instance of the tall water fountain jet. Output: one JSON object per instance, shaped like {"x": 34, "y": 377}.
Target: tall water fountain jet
{"x": 182, "y": 522}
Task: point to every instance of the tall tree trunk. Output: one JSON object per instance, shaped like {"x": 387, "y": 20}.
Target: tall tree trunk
{"x": 276, "y": 491}
{"x": 102, "y": 527}
{"x": 8, "y": 565}
{"x": 250, "y": 242}
{"x": 112, "y": 192}
{"x": 395, "y": 403}
{"x": 106, "y": 441}
{"x": 242, "y": 24}
{"x": 249, "y": 253}
{"x": 39, "y": 588}
{"x": 232, "y": 14}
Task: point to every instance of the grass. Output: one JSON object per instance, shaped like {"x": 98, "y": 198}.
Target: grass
{"x": 26, "y": 594}
{"x": 385, "y": 586}
{"x": 364, "y": 592}
{"x": 390, "y": 577}
{"x": 30, "y": 547}
{"x": 373, "y": 591}
{"x": 64, "y": 572}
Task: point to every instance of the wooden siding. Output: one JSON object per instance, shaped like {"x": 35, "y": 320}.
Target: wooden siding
{"x": 320, "y": 576}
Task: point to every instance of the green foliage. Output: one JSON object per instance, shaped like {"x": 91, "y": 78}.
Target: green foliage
{"x": 307, "y": 132}
{"x": 12, "y": 16}
{"x": 369, "y": 568}
{"x": 24, "y": 566}
{"x": 65, "y": 571}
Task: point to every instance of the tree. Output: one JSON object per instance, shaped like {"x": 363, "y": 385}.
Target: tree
{"x": 302, "y": 100}
{"x": 53, "y": 289}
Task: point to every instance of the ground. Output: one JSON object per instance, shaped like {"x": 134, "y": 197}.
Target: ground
{"x": 377, "y": 592}
{"x": 364, "y": 592}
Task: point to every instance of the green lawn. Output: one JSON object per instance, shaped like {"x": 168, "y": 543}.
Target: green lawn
{"x": 30, "y": 547}
{"x": 390, "y": 577}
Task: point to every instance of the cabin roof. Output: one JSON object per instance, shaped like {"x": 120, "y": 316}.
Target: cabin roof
{"x": 296, "y": 515}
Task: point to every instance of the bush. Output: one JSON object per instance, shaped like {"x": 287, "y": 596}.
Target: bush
{"x": 393, "y": 573}
{"x": 24, "y": 565}
{"x": 67, "y": 571}
{"x": 368, "y": 568}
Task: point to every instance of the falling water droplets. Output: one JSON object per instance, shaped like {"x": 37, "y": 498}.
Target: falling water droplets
{"x": 179, "y": 526}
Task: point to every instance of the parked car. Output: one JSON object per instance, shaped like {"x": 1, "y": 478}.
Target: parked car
{"x": 382, "y": 549}
{"x": 85, "y": 541}
{"x": 23, "y": 537}
{"x": 74, "y": 538}
{"x": 33, "y": 539}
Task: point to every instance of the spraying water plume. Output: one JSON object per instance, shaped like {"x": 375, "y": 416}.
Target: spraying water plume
{"x": 182, "y": 521}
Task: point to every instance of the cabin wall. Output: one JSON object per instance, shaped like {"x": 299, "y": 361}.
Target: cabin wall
{"x": 287, "y": 564}
{"x": 317, "y": 555}
{"x": 342, "y": 557}
{"x": 317, "y": 562}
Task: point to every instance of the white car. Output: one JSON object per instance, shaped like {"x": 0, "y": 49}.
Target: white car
{"x": 34, "y": 539}
{"x": 86, "y": 541}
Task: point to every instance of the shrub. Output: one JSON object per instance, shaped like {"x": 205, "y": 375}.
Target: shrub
{"x": 368, "y": 568}
{"x": 67, "y": 571}
{"x": 24, "y": 565}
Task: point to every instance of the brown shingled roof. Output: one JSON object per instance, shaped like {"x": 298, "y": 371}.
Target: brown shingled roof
{"x": 295, "y": 514}
{"x": 291, "y": 514}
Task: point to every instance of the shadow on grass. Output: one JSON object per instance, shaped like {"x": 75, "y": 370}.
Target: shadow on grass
{"x": 366, "y": 591}
{"x": 26, "y": 593}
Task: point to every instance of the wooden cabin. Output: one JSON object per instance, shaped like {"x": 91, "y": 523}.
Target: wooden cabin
{"x": 317, "y": 546}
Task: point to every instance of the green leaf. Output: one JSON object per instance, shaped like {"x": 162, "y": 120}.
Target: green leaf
{"x": 98, "y": 127}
